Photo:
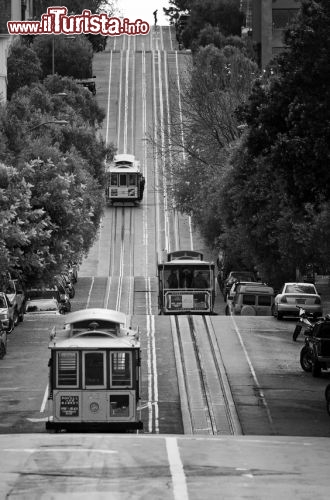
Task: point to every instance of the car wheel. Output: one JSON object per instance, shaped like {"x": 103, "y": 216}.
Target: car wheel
{"x": 316, "y": 369}
{"x": 3, "y": 350}
{"x": 327, "y": 397}
{"x": 248, "y": 311}
{"x": 15, "y": 318}
{"x": 21, "y": 316}
{"x": 279, "y": 315}
{"x": 306, "y": 360}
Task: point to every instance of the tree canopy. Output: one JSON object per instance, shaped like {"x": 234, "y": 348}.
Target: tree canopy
{"x": 257, "y": 179}
{"x": 51, "y": 177}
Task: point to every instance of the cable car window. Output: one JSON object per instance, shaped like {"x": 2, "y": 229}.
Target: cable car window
{"x": 119, "y": 405}
{"x": 67, "y": 369}
{"x": 114, "y": 180}
{"x": 132, "y": 179}
{"x": 121, "y": 369}
{"x": 122, "y": 179}
{"x": 94, "y": 369}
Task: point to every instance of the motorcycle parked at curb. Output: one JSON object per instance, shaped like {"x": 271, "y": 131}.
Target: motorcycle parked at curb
{"x": 303, "y": 323}
{"x": 315, "y": 354}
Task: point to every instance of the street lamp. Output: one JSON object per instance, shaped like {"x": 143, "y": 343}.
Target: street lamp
{"x": 55, "y": 122}
{"x": 53, "y": 51}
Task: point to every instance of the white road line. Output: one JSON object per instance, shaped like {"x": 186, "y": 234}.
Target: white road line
{"x": 61, "y": 450}
{"x": 157, "y": 224}
{"x": 182, "y": 140}
{"x": 162, "y": 125}
{"x": 108, "y": 107}
{"x": 126, "y": 102}
{"x": 175, "y": 213}
{"x": 90, "y": 292}
{"x": 180, "y": 490}
{"x": 154, "y": 366}
{"x": 256, "y": 382}
{"x": 44, "y": 401}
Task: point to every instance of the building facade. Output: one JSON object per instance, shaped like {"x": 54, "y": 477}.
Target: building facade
{"x": 270, "y": 18}
{"x": 10, "y": 10}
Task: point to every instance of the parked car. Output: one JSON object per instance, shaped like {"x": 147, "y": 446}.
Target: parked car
{"x": 236, "y": 276}
{"x": 73, "y": 272}
{"x": 297, "y": 294}
{"x": 16, "y": 295}
{"x": 232, "y": 294}
{"x": 34, "y": 295}
{"x": 7, "y": 313}
{"x": 251, "y": 299}
{"x": 43, "y": 306}
{"x": 3, "y": 341}
{"x": 64, "y": 285}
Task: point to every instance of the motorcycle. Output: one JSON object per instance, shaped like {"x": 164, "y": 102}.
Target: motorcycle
{"x": 303, "y": 323}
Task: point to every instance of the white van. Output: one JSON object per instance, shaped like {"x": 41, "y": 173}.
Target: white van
{"x": 253, "y": 299}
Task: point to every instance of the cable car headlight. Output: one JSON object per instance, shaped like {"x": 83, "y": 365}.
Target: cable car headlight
{"x": 94, "y": 407}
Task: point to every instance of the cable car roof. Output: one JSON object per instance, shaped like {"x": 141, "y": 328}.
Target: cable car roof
{"x": 124, "y": 163}
{"x": 95, "y": 342}
{"x": 187, "y": 262}
{"x": 97, "y": 314}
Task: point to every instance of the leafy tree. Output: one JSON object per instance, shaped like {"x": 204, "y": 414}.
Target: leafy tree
{"x": 23, "y": 67}
{"x": 221, "y": 14}
{"x": 72, "y": 57}
{"x": 200, "y": 134}
{"x": 60, "y": 171}
{"x": 284, "y": 157}
{"x": 177, "y": 7}
{"x": 25, "y": 232}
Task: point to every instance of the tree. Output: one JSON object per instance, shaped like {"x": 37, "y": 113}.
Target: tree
{"x": 177, "y": 7}
{"x": 56, "y": 188}
{"x": 283, "y": 159}
{"x": 221, "y": 14}
{"x": 72, "y": 57}
{"x": 196, "y": 143}
{"x": 23, "y": 67}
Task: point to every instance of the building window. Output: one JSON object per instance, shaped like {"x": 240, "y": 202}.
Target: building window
{"x": 282, "y": 18}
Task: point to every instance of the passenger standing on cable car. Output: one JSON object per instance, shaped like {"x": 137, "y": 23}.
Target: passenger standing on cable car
{"x": 186, "y": 279}
{"x": 172, "y": 280}
{"x": 200, "y": 281}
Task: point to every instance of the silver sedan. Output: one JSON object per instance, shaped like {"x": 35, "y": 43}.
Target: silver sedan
{"x": 297, "y": 294}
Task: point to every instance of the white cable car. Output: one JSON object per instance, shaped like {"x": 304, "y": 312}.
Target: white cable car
{"x": 125, "y": 182}
{"x": 186, "y": 284}
{"x": 94, "y": 373}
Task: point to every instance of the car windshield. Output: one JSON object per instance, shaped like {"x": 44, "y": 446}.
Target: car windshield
{"x": 242, "y": 276}
{"x": 300, "y": 288}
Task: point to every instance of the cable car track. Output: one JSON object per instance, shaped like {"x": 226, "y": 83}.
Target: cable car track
{"x": 206, "y": 400}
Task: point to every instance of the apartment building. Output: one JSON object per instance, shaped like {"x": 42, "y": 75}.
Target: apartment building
{"x": 10, "y": 10}
{"x": 270, "y": 18}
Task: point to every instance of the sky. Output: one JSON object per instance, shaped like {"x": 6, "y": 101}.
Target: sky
{"x": 143, "y": 9}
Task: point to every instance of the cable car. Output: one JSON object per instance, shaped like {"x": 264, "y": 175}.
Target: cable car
{"x": 186, "y": 283}
{"x": 125, "y": 182}
{"x": 94, "y": 373}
